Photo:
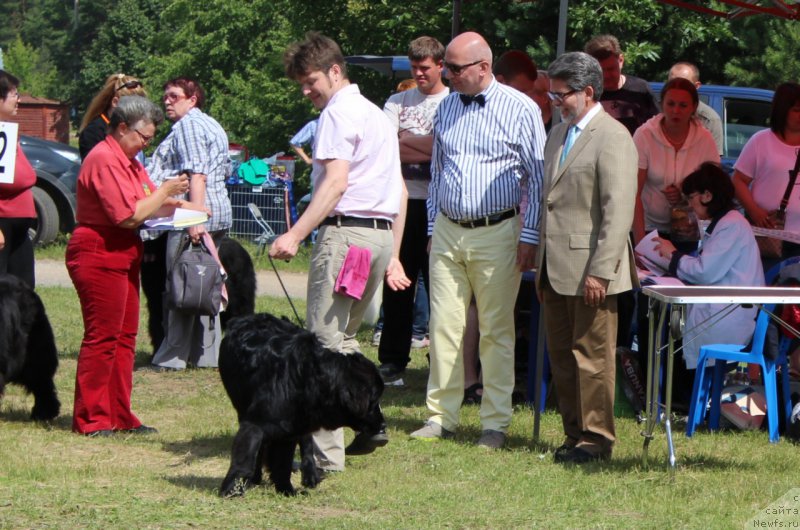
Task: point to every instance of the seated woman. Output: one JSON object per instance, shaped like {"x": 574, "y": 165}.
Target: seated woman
{"x": 728, "y": 256}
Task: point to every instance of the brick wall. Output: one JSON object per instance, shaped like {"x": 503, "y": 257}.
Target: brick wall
{"x": 43, "y": 118}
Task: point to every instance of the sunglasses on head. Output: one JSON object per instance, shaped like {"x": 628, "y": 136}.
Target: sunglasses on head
{"x": 130, "y": 85}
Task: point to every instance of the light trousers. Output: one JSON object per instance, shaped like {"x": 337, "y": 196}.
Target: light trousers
{"x": 463, "y": 262}
{"x": 335, "y": 318}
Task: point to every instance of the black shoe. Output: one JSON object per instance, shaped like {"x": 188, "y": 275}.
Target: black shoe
{"x": 104, "y": 433}
{"x": 364, "y": 444}
{"x": 391, "y": 371}
{"x": 143, "y": 429}
{"x": 561, "y": 451}
{"x": 579, "y": 456}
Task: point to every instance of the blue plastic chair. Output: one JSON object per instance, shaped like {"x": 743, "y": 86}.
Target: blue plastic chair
{"x": 733, "y": 353}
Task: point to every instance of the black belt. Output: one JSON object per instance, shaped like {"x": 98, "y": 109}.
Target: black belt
{"x": 359, "y": 222}
{"x": 489, "y": 220}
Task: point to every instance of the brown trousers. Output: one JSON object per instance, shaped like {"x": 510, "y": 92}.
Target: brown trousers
{"x": 581, "y": 341}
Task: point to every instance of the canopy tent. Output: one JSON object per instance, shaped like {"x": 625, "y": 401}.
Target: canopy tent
{"x": 744, "y": 8}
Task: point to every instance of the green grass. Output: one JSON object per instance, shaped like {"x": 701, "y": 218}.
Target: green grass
{"x": 50, "y": 477}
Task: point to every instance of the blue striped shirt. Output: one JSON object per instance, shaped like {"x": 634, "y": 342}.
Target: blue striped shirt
{"x": 482, "y": 154}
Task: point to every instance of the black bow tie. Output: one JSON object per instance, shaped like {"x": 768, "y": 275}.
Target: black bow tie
{"x": 480, "y": 99}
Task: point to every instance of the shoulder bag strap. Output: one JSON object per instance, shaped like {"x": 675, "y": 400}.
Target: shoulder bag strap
{"x": 792, "y": 180}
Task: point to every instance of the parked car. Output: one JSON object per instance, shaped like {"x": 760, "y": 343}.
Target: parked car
{"x": 57, "y": 166}
{"x": 744, "y": 111}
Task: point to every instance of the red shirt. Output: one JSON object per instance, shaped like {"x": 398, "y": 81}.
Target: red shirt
{"x": 109, "y": 185}
{"x": 16, "y": 199}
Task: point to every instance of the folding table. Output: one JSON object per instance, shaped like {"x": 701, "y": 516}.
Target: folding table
{"x": 673, "y": 300}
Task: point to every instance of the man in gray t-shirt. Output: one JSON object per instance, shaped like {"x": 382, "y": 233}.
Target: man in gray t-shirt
{"x": 412, "y": 113}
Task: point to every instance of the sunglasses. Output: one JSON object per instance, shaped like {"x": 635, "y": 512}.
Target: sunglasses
{"x": 130, "y": 85}
{"x": 458, "y": 69}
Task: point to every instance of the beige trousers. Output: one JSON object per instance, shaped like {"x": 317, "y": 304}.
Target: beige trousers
{"x": 463, "y": 262}
{"x": 335, "y": 318}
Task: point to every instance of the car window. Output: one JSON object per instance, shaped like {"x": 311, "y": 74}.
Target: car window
{"x": 743, "y": 118}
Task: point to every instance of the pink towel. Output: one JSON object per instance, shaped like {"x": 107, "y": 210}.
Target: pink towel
{"x": 354, "y": 273}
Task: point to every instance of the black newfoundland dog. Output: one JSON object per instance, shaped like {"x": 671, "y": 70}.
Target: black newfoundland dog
{"x": 284, "y": 385}
{"x": 28, "y": 354}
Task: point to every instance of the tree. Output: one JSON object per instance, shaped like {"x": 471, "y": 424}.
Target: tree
{"x": 124, "y": 44}
{"x": 37, "y": 75}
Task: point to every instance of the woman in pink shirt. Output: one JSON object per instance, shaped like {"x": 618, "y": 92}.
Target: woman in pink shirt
{"x": 17, "y": 213}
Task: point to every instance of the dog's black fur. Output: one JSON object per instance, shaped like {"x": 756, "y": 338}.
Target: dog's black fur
{"x": 28, "y": 354}
{"x": 284, "y": 385}
{"x": 241, "y": 283}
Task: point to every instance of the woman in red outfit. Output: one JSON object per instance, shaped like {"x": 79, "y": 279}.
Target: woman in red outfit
{"x": 115, "y": 196}
{"x": 17, "y": 213}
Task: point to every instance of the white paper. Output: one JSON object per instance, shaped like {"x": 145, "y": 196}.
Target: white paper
{"x": 9, "y": 133}
{"x": 649, "y": 256}
{"x": 784, "y": 235}
{"x": 180, "y": 219}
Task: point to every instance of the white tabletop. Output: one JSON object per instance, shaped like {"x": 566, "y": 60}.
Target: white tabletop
{"x": 695, "y": 294}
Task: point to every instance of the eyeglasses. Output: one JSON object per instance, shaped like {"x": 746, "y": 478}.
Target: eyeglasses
{"x": 458, "y": 69}
{"x": 172, "y": 97}
{"x": 145, "y": 139}
{"x": 559, "y": 97}
{"x": 130, "y": 85}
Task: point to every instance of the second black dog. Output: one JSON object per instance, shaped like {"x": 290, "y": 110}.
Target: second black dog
{"x": 284, "y": 385}
{"x": 28, "y": 354}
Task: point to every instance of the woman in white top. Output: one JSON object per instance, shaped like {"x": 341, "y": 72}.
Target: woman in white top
{"x": 762, "y": 171}
{"x": 671, "y": 145}
{"x": 728, "y": 256}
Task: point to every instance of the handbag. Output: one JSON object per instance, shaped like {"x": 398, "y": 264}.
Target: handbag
{"x": 771, "y": 247}
{"x": 195, "y": 281}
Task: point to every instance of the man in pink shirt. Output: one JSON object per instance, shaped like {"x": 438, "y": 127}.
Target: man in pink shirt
{"x": 359, "y": 200}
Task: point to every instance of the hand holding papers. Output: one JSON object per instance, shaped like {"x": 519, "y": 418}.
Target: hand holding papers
{"x": 180, "y": 219}
{"x": 649, "y": 256}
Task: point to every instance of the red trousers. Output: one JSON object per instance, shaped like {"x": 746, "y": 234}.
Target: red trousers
{"x": 103, "y": 263}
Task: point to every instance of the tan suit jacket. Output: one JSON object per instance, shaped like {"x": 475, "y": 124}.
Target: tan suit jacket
{"x": 587, "y": 208}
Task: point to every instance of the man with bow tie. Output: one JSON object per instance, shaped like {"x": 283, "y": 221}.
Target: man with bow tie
{"x": 488, "y": 138}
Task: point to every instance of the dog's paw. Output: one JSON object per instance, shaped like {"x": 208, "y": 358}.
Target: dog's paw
{"x": 286, "y": 490}
{"x": 311, "y": 477}
{"x": 45, "y": 412}
{"x": 234, "y": 487}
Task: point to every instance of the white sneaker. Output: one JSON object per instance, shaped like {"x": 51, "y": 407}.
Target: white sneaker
{"x": 424, "y": 342}
{"x": 376, "y": 338}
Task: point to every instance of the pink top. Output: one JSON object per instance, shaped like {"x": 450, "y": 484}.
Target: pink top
{"x": 16, "y": 199}
{"x": 354, "y": 129}
{"x": 109, "y": 185}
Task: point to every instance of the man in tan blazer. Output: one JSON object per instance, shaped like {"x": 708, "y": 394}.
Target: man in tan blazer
{"x": 584, "y": 257}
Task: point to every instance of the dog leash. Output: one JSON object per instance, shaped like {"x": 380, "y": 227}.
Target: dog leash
{"x": 299, "y": 320}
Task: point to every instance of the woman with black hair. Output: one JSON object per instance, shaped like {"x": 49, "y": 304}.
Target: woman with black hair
{"x": 761, "y": 173}
{"x": 17, "y": 210}
{"x": 728, "y": 256}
